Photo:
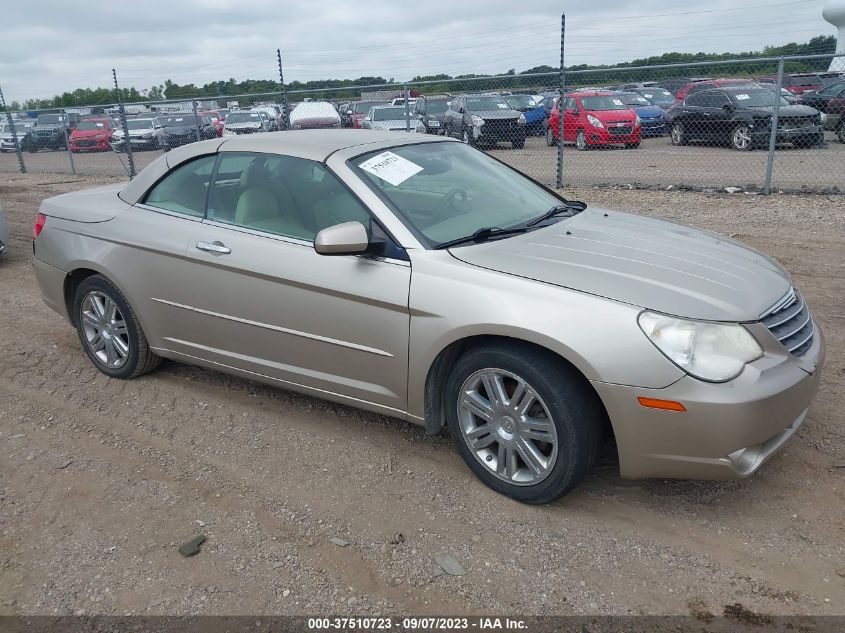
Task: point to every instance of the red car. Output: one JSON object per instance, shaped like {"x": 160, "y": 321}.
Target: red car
{"x": 92, "y": 135}
{"x": 359, "y": 110}
{"x": 216, "y": 119}
{"x": 695, "y": 86}
{"x": 595, "y": 118}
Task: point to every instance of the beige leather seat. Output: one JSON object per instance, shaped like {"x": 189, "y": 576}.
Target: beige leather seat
{"x": 259, "y": 206}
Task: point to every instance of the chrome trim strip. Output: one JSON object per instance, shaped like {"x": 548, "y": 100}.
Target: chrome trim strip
{"x": 796, "y": 330}
{"x": 808, "y": 338}
{"x": 781, "y": 303}
{"x": 276, "y": 328}
{"x": 790, "y": 317}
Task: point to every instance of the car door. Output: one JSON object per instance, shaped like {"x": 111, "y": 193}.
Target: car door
{"x": 158, "y": 230}
{"x": 571, "y": 114}
{"x": 697, "y": 121}
{"x": 267, "y": 304}
{"x": 454, "y": 116}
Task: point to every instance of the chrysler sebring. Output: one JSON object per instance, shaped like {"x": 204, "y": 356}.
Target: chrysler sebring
{"x": 420, "y": 278}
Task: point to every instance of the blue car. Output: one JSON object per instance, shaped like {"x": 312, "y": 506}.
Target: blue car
{"x": 531, "y": 109}
{"x": 652, "y": 117}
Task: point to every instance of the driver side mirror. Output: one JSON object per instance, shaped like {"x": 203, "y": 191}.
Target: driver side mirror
{"x": 348, "y": 238}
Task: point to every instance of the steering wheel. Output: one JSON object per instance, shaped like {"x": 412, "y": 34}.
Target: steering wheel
{"x": 447, "y": 201}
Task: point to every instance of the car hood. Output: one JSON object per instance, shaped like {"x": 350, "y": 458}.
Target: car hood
{"x": 787, "y": 111}
{"x": 394, "y": 123}
{"x": 180, "y": 129}
{"x": 644, "y": 262}
{"x": 497, "y": 114}
{"x": 87, "y": 133}
{"x": 609, "y": 116}
{"x": 649, "y": 111}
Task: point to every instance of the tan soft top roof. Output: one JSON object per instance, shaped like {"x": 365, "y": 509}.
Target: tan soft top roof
{"x": 315, "y": 145}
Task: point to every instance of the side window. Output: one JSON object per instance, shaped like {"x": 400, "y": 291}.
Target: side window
{"x": 282, "y": 195}
{"x": 184, "y": 189}
{"x": 695, "y": 100}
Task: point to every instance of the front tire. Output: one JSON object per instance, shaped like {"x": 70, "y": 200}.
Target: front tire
{"x": 109, "y": 330}
{"x": 550, "y": 137}
{"x": 581, "y": 141}
{"x": 525, "y": 423}
{"x": 632, "y": 145}
{"x": 741, "y": 138}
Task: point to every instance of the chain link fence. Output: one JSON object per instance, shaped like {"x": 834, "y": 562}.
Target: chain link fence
{"x": 706, "y": 125}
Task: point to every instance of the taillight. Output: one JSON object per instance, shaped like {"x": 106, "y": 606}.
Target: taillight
{"x": 40, "y": 219}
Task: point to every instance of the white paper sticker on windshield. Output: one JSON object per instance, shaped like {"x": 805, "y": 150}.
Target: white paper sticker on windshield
{"x": 503, "y": 106}
{"x": 618, "y": 102}
{"x": 742, "y": 97}
{"x": 647, "y": 95}
{"x": 391, "y": 167}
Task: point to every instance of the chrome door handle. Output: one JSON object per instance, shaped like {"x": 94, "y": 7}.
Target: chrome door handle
{"x": 214, "y": 247}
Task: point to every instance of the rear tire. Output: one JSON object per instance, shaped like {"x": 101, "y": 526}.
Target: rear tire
{"x": 109, "y": 330}
{"x": 546, "y": 398}
{"x": 518, "y": 143}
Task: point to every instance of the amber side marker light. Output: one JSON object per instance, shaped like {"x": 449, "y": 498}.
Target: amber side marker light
{"x": 656, "y": 403}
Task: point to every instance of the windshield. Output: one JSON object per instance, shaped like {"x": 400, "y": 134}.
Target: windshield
{"x": 19, "y": 127}
{"x": 50, "y": 119}
{"x": 634, "y": 100}
{"x": 90, "y": 125}
{"x": 521, "y": 101}
{"x": 759, "y": 98}
{"x": 444, "y": 191}
{"x": 243, "y": 117}
{"x": 362, "y": 107}
{"x": 485, "y": 104}
{"x": 139, "y": 124}
{"x": 390, "y": 114}
{"x": 436, "y": 107}
{"x": 658, "y": 95}
{"x": 177, "y": 121}
{"x": 603, "y": 103}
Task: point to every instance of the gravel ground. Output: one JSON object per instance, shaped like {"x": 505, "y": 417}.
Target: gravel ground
{"x": 101, "y": 480}
{"x": 655, "y": 162}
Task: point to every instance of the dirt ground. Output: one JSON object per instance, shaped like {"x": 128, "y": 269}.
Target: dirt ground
{"x": 101, "y": 480}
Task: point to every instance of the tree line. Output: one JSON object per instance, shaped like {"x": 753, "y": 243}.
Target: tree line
{"x": 582, "y": 74}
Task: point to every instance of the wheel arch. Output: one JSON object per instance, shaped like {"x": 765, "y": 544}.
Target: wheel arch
{"x": 438, "y": 373}
{"x": 79, "y": 273}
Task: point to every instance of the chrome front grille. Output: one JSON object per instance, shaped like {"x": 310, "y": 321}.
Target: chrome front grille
{"x": 790, "y": 322}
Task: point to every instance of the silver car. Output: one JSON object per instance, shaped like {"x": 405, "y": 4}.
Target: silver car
{"x": 392, "y": 117}
{"x": 414, "y": 276}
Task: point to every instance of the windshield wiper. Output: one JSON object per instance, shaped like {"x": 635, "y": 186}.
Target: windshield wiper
{"x": 482, "y": 235}
{"x": 568, "y": 208}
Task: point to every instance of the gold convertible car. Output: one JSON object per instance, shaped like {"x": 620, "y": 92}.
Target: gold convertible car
{"x": 415, "y": 276}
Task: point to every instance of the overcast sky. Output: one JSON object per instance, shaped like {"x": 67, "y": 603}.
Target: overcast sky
{"x": 49, "y": 47}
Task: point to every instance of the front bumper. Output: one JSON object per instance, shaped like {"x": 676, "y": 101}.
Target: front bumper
{"x": 788, "y": 135}
{"x": 728, "y": 431}
{"x": 601, "y": 136}
{"x": 7, "y": 145}
{"x": 100, "y": 145}
{"x": 498, "y": 133}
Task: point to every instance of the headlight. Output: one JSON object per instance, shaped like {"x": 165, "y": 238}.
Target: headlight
{"x": 636, "y": 119}
{"x": 477, "y": 121}
{"x": 99, "y": 136}
{"x": 716, "y": 352}
{"x": 521, "y": 119}
{"x": 594, "y": 121}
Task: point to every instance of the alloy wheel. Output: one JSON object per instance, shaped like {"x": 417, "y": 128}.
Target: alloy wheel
{"x": 742, "y": 137}
{"x": 581, "y": 140}
{"x": 507, "y": 426}
{"x": 677, "y": 134}
{"x": 106, "y": 333}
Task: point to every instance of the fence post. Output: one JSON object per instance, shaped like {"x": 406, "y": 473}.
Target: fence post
{"x": 407, "y": 109}
{"x": 284, "y": 92}
{"x": 560, "y": 108}
{"x": 122, "y": 112}
{"x": 196, "y": 119}
{"x": 773, "y": 134}
{"x": 14, "y": 132}
{"x": 65, "y": 122}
